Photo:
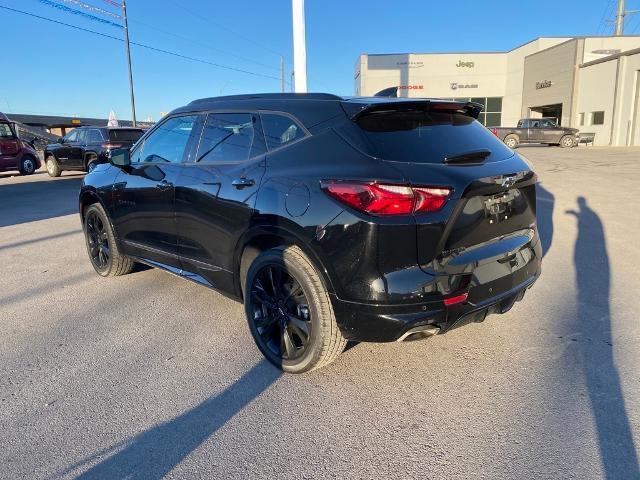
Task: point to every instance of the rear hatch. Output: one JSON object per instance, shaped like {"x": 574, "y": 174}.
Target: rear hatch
{"x": 125, "y": 137}
{"x": 440, "y": 144}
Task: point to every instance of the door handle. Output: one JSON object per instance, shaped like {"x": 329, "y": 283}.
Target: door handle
{"x": 243, "y": 182}
{"x": 164, "y": 185}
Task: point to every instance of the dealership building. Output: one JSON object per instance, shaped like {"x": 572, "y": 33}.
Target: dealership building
{"x": 591, "y": 83}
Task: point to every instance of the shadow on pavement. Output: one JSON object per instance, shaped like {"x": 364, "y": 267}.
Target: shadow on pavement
{"x": 593, "y": 323}
{"x": 29, "y": 201}
{"x": 153, "y": 453}
{"x": 544, "y": 210}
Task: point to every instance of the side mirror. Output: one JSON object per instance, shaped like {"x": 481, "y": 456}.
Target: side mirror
{"x": 120, "y": 157}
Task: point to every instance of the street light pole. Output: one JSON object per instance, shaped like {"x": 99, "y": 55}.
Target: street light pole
{"x": 620, "y": 18}
{"x": 126, "y": 42}
{"x": 299, "y": 46}
{"x": 282, "y": 74}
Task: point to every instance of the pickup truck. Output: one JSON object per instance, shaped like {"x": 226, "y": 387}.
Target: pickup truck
{"x": 537, "y": 130}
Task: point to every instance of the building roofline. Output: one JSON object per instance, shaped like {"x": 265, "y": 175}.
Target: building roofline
{"x": 567, "y": 37}
{"x": 614, "y": 56}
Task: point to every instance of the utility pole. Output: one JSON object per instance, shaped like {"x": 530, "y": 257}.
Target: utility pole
{"x": 620, "y": 19}
{"x": 126, "y": 42}
{"x": 282, "y": 73}
{"x": 299, "y": 46}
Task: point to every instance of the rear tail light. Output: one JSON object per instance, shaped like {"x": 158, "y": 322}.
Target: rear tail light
{"x": 494, "y": 131}
{"x": 384, "y": 199}
{"x": 110, "y": 145}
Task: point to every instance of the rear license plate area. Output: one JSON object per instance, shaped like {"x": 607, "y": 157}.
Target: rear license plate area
{"x": 498, "y": 208}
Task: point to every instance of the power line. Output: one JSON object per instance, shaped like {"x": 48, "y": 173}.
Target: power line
{"x": 602, "y": 25}
{"x": 202, "y": 44}
{"x": 224, "y": 27}
{"x": 142, "y": 45}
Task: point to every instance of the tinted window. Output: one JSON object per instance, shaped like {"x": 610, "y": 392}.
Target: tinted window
{"x": 82, "y": 135}
{"x": 228, "y": 137}
{"x": 128, "y": 135}
{"x": 168, "y": 142}
{"x": 5, "y": 131}
{"x": 72, "y": 136}
{"x": 94, "y": 136}
{"x": 427, "y": 136}
{"x": 280, "y": 130}
{"x": 548, "y": 123}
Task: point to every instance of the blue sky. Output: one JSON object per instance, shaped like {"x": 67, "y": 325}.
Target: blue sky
{"x": 51, "y": 69}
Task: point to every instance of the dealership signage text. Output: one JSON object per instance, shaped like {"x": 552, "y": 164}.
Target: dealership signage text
{"x": 456, "y": 85}
{"x": 543, "y": 84}
{"x": 464, "y": 64}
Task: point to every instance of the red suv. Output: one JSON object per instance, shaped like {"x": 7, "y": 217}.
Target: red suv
{"x": 16, "y": 154}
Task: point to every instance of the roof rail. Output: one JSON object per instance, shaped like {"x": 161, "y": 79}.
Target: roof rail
{"x": 269, "y": 96}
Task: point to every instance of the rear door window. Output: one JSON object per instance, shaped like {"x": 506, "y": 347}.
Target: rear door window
{"x": 94, "y": 136}
{"x": 5, "y": 131}
{"x": 427, "y": 136}
{"x": 230, "y": 137}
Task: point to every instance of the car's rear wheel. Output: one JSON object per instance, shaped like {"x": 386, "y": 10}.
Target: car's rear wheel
{"x": 27, "y": 165}
{"x": 102, "y": 247}
{"x": 289, "y": 311}
{"x": 53, "y": 169}
{"x": 511, "y": 141}
{"x": 92, "y": 162}
{"x": 567, "y": 141}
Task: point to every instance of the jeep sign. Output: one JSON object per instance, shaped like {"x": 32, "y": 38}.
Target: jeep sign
{"x": 464, "y": 64}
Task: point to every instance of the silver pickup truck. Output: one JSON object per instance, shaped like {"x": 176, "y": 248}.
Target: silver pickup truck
{"x": 537, "y": 130}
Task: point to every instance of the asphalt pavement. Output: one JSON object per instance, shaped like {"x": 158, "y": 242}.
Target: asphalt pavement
{"x": 151, "y": 376}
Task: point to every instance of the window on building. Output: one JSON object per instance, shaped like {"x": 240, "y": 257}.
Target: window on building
{"x": 581, "y": 118}
{"x": 597, "y": 118}
{"x": 491, "y": 115}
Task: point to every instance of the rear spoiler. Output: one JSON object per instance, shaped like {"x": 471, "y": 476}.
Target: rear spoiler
{"x": 356, "y": 110}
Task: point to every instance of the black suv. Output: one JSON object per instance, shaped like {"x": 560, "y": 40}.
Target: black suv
{"x": 332, "y": 218}
{"x": 85, "y": 147}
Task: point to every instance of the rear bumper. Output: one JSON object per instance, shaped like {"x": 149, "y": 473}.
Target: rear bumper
{"x": 368, "y": 322}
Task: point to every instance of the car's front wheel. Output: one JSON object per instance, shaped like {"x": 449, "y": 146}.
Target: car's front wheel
{"x": 289, "y": 311}
{"x": 105, "y": 256}
{"x": 567, "y": 141}
{"x": 511, "y": 141}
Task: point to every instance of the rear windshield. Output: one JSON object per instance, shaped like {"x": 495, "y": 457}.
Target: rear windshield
{"x": 128, "y": 135}
{"x": 427, "y": 136}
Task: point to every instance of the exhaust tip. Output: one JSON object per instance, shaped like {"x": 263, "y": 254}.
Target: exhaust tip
{"x": 419, "y": 333}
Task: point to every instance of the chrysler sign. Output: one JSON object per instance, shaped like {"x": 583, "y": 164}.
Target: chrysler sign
{"x": 543, "y": 84}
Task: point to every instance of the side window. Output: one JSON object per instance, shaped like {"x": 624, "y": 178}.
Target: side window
{"x": 535, "y": 124}
{"x": 71, "y": 137}
{"x": 280, "y": 130}
{"x": 5, "y": 131}
{"x": 229, "y": 137}
{"x": 82, "y": 136}
{"x": 94, "y": 136}
{"x": 167, "y": 143}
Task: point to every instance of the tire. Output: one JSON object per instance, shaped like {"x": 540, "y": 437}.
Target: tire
{"x": 53, "y": 169}
{"x": 511, "y": 141}
{"x": 102, "y": 247}
{"x": 92, "y": 162}
{"x": 293, "y": 326}
{"x": 567, "y": 142}
{"x": 27, "y": 165}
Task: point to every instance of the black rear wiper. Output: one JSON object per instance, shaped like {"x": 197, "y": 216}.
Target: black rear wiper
{"x": 468, "y": 158}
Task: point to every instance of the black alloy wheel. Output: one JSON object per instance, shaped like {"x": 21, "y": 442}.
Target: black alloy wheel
{"x": 280, "y": 313}
{"x": 97, "y": 241}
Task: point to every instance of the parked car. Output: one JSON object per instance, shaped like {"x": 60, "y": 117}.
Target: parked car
{"x": 332, "y": 219}
{"x": 16, "y": 153}
{"x": 537, "y": 130}
{"x": 85, "y": 147}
